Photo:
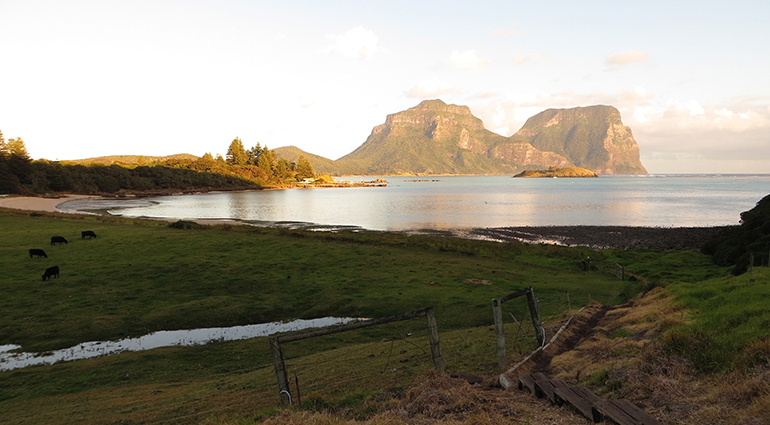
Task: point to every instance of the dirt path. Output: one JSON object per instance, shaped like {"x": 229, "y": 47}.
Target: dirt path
{"x": 581, "y": 328}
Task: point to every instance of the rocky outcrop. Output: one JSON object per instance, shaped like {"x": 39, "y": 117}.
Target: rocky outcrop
{"x": 558, "y": 172}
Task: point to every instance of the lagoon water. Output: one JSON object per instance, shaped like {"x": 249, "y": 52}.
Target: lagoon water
{"x": 11, "y": 358}
{"x": 462, "y": 202}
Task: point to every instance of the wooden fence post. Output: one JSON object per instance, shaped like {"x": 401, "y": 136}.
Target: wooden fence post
{"x": 497, "y": 312}
{"x": 435, "y": 346}
{"x": 280, "y": 372}
{"x": 534, "y": 312}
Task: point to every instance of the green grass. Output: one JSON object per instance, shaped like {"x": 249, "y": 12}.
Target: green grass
{"x": 141, "y": 276}
{"x": 729, "y": 314}
{"x": 137, "y": 278}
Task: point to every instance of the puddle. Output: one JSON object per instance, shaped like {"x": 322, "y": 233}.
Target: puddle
{"x": 11, "y": 360}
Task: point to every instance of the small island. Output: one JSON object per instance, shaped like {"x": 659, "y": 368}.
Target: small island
{"x": 558, "y": 172}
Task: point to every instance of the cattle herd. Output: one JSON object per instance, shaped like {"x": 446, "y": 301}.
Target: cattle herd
{"x": 53, "y": 272}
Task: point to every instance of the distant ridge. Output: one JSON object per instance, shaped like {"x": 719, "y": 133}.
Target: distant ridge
{"x": 131, "y": 159}
{"x": 320, "y": 164}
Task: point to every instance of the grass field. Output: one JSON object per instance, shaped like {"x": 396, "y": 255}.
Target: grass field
{"x": 141, "y": 276}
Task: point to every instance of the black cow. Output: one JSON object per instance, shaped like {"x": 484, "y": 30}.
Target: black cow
{"x": 57, "y": 239}
{"x": 87, "y": 234}
{"x": 37, "y": 252}
{"x": 51, "y": 271}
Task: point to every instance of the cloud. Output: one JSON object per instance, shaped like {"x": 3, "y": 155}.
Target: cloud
{"x": 467, "y": 60}
{"x": 636, "y": 97}
{"x": 431, "y": 89}
{"x": 484, "y": 95}
{"x": 507, "y": 33}
{"x": 357, "y": 43}
{"x": 521, "y": 59}
{"x": 622, "y": 59}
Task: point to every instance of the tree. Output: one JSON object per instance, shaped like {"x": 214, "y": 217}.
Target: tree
{"x": 3, "y": 147}
{"x": 304, "y": 168}
{"x": 207, "y": 156}
{"x": 16, "y": 148}
{"x": 254, "y": 153}
{"x": 282, "y": 169}
{"x": 18, "y": 160}
{"x": 266, "y": 161}
{"x": 236, "y": 154}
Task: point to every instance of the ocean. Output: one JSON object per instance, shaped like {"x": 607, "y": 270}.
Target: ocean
{"x": 464, "y": 202}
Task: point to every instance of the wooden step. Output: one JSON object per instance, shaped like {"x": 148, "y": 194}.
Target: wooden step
{"x": 603, "y": 410}
{"x": 641, "y": 417}
{"x": 544, "y": 387}
{"x": 566, "y": 395}
{"x": 526, "y": 381}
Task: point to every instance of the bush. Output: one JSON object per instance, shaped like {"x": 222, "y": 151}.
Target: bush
{"x": 185, "y": 225}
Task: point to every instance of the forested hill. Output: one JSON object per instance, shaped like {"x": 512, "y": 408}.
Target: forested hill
{"x": 254, "y": 168}
{"x": 436, "y": 138}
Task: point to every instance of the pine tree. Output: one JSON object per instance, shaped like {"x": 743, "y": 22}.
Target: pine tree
{"x": 17, "y": 149}
{"x": 19, "y": 163}
{"x": 3, "y": 147}
{"x": 254, "y": 154}
{"x": 304, "y": 168}
{"x": 236, "y": 154}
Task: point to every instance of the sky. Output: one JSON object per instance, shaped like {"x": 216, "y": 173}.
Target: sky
{"x": 81, "y": 79}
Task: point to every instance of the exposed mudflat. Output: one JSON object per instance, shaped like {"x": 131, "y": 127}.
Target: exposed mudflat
{"x": 620, "y": 237}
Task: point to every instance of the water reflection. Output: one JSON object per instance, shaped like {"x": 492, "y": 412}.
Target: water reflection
{"x": 11, "y": 360}
{"x": 462, "y": 202}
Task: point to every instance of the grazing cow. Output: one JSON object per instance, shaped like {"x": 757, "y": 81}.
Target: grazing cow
{"x": 57, "y": 239}
{"x": 37, "y": 252}
{"x": 87, "y": 234}
{"x": 51, "y": 271}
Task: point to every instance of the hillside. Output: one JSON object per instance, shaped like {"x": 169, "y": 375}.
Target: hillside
{"x": 320, "y": 164}
{"x": 130, "y": 159}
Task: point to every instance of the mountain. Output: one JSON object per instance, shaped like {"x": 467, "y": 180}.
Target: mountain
{"x": 436, "y": 138}
{"x": 591, "y": 137}
{"x": 431, "y": 138}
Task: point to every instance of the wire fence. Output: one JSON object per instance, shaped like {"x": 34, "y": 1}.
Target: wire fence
{"x": 361, "y": 362}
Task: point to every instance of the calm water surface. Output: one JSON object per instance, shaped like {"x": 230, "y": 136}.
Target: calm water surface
{"x": 458, "y": 202}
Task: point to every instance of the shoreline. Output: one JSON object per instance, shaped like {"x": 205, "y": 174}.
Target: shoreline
{"x": 596, "y": 237}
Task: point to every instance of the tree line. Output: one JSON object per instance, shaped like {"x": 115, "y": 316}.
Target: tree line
{"x": 258, "y": 167}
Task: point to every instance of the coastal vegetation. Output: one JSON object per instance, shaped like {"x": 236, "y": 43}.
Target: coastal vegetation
{"x": 744, "y": 246}
{"x": 141, "y": 276}
{"x": 254, "y": 168}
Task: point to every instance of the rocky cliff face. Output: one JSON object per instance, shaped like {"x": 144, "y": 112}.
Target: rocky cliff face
{"x": 592, "y": 137}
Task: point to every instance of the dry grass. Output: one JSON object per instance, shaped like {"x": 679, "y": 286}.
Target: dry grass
{"x": 621, "y": 358}
{"x": 440, "y": 399}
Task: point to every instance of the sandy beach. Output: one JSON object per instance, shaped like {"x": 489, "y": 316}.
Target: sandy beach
{"x": 37, "y": 204}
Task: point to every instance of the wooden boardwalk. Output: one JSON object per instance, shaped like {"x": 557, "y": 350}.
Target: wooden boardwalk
{"x": 585, "y": 402}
